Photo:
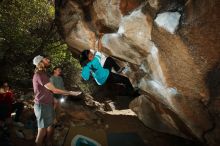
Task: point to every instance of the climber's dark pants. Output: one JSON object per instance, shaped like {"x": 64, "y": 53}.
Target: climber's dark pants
{"x": 117, "y": 78}
{"x": 110, "y": 63}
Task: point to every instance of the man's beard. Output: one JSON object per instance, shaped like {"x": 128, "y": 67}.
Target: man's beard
{"x": 47, "y": 65}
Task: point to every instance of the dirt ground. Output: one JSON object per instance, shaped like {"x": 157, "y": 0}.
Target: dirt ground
{"x": 98, "y": 114}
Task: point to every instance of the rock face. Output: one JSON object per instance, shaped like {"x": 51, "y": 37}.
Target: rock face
{"x": 173, "y": 52}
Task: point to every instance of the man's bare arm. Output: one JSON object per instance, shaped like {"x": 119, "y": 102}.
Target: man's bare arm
{"x": 55, "y": 90}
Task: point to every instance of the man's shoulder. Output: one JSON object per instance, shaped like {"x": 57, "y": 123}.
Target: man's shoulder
{"x": 37, "y": 74}
{"x": 55, "y": 77}
{"x": 52, "y": 77}
{"x": 40, "y": 74}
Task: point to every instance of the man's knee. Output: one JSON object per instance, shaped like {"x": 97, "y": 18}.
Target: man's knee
{"x": 42, "y": 132}
{"x": 50, "y": 130}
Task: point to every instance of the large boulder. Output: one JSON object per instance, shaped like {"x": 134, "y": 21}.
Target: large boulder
{"x": 75, "y": 30}
{"x": 173, "y": 52}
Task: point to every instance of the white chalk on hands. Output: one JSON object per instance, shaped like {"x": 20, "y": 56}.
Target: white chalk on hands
{"x": 75, "y": 93}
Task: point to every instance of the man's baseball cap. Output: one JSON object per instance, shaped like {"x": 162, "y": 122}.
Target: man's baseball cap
{"x": 37, "y": 59}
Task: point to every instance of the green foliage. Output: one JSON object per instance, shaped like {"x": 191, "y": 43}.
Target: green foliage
{"x": 18, "y": 19}
{"x": 26, "y": 28}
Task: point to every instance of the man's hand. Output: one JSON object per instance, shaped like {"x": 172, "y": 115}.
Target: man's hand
{"x": 75, "y": 93}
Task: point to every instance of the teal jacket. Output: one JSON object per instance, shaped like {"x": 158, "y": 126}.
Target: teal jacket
{"x": 95, "y": 69}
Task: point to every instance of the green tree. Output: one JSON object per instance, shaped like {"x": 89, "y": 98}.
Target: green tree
{"x": 27, "y": 28}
